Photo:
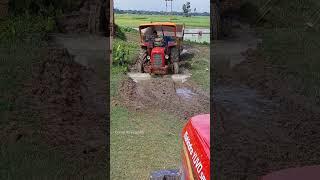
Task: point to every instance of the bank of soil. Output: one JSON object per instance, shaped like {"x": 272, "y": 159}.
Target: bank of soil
{"x": 181, "y": 99}
{"x": 71, "y": 103}
{"x": 69, "y": 100}
{"x": 262, "y": 125}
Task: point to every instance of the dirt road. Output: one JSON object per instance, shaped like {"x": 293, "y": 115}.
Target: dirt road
{"x": 260, "y": 127}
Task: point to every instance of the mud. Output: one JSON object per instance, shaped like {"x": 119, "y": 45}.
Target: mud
{"x": 163, "y": 94}
{"x": 71, "y": 102}
{"x": 262, "y": 124}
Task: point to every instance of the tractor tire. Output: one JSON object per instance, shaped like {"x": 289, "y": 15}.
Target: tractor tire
{"x": 175, "y": 58}
{"x": 141, "y": 59}
{"x": 175, "y": 55}
{"x": 176, "y": 68}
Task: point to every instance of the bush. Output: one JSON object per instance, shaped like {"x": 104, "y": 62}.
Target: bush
{"x": 43, "y": 7}
{"x": 124, "y": 52}
{"x": 121, "y": 54}
{"x": 25, "y": 28}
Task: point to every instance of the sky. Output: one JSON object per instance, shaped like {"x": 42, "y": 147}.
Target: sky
{"x": 160, "y": 5}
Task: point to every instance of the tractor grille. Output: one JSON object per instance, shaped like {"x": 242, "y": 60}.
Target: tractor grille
{"x": 157, "y": 60}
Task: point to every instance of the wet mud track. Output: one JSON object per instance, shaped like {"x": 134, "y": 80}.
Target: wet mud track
{"x": 164, "y": 94}
{"x": 172, "y": 93}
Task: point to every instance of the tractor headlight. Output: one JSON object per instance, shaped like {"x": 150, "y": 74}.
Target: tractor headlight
{"x": 166, "y": 56}
{"x": 148, "y": 57}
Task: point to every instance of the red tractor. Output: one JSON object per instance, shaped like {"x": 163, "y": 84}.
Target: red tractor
{"x": 195, "y": 152}
{"x": 160, "y": 47}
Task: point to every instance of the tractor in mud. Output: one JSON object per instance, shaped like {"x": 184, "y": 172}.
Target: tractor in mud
{"x": 160, "y": 47}
{"x": 195, "y": 152}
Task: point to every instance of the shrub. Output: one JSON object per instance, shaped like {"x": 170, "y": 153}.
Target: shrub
{"x": 25, "y": 28}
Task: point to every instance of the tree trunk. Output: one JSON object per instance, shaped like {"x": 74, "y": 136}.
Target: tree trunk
{"x": 4, "y": 7}
{"x": 216, "y": 20}
{"x": 110, "y": 28}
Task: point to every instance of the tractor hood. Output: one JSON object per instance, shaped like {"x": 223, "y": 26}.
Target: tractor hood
{"x": 196, "y": 147}
{"x": 307, "y": 172}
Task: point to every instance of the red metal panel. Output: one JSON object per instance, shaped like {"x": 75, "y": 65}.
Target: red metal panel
{"x": 196, "y": 139}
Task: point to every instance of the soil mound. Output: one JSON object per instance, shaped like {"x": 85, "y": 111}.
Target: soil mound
{"x": 68, "y": 105}
{"x": 182, "y": 99}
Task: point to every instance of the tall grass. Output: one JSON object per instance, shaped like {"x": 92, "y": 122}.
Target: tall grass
{"x": 25, "y": 29}
{"x": 290, "y": 42}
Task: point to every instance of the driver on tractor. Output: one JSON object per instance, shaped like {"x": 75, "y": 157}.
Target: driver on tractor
{"x": 156, "y": 39}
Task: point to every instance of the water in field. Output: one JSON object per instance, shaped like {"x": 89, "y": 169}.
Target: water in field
{"x": 205, "y": 37}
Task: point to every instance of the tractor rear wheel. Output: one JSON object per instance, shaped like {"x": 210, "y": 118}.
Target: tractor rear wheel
{"x": 175, "y": 57}
{"x": 141, "y": 59}
{"x": 176, "y": 68}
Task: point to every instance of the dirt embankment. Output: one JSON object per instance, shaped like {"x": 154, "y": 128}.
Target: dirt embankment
{"x": 262, "y": 124}
{"x": 72, "y": 108}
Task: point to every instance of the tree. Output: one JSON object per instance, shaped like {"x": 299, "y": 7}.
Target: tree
{"x": 215, "y": 20}
{"x": 186, "y": 9}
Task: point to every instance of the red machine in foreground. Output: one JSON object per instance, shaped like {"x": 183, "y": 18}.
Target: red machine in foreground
{"x": 196, "y": 148}
{"x": 195, "y": 152}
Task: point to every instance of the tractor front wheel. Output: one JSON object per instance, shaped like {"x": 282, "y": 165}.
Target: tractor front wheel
{"x": 141, "y": 59}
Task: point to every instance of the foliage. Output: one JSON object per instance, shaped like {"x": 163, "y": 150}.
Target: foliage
{"x": 124, "y": 52}
{"x": 121, "y": 54}
{"x": 121, "y": 30}
{"x": 25, "y": 28}
{"x": 43, "y": 7}
{"x": 186, "y": 8}
{"x": 127, "y": 29}
{"x": 289, "y": 43}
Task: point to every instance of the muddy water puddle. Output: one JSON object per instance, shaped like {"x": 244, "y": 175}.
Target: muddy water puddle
{"x": 185, "y": 93}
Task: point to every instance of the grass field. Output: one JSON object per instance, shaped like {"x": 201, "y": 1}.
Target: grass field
{"x": 133, "y": 20}
{"x": 290, "y": 44}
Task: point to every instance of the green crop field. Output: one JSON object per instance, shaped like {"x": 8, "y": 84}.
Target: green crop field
{"x": 134, "y": 20}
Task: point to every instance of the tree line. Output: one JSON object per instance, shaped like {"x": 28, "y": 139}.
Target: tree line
{"x": 118, "y": 11}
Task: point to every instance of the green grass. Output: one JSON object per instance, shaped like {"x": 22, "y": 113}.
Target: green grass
{"x": 200, "y": 67}
{"x": 133, "y": 20}
{"x": 299, "y": 53}
{"x": 288, "y": 43}
{"x": 143, "y": 142}
{"x": 131, "y": 46}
